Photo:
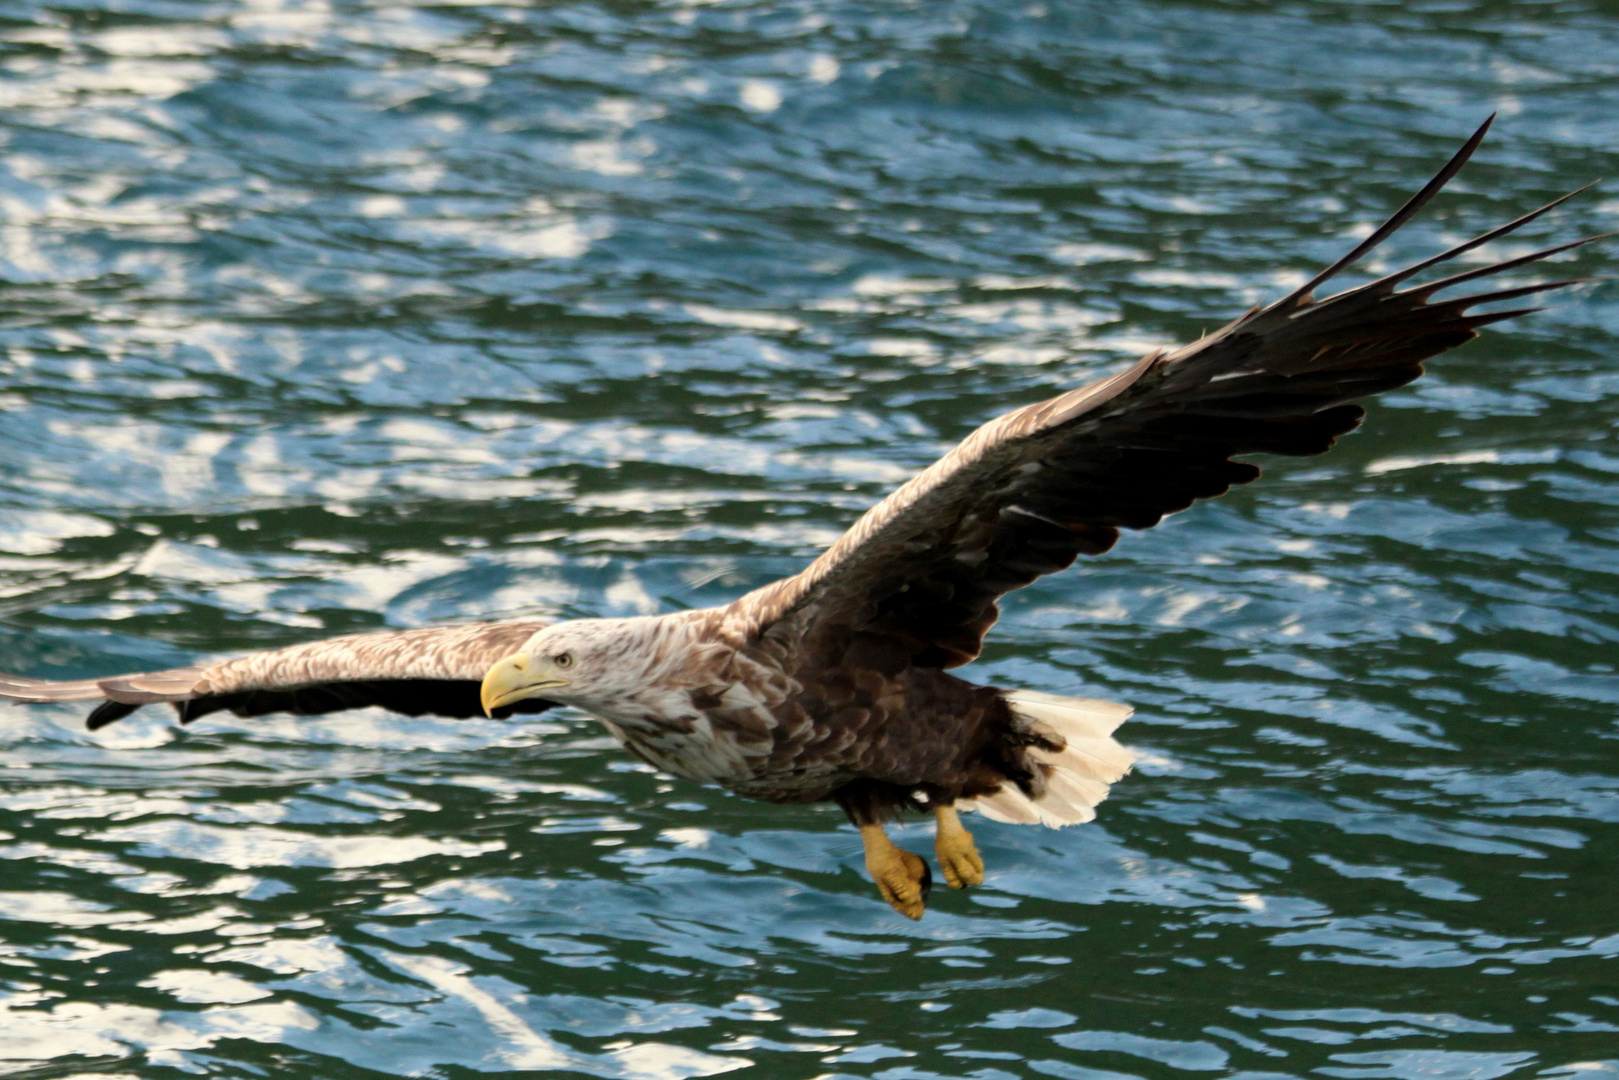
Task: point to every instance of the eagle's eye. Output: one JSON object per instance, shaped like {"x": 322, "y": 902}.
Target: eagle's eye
{"x": 563, "y": 659}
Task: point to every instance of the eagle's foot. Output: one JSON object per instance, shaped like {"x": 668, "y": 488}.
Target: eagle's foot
{"x": 958, "y": 855}
{"x": 902, "y": 878}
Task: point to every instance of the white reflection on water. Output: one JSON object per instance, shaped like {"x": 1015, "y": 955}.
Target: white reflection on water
{"x": 31, "y": 1030}
{"x": 246, "y": 846}
{"x": 519, "y": 1046}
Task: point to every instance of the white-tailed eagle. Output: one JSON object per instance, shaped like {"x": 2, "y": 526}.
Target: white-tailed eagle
{"x": 833, "y": 684}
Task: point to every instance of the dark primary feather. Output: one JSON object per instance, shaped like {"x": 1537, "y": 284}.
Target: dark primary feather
{"x": 435, "y": 670}
{"x": 1032, "y": 490}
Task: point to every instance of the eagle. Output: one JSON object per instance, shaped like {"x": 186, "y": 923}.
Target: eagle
{"x": 836, "y": 684}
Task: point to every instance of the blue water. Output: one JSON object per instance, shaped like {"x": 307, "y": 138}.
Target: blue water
{"x": 326, "y": 315}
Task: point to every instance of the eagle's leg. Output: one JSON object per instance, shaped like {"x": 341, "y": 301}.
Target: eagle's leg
{"x": 901, "y": 877}
{"x": 958, "y": 855}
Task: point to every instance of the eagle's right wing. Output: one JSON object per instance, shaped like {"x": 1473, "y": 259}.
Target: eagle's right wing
{"x": 1029, "y": 491}
{"x": 431, "y": 670}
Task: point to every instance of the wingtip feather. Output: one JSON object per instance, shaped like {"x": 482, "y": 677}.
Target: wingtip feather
{"x": 1424, "y": 291}
{"x": 1399, "y": 218}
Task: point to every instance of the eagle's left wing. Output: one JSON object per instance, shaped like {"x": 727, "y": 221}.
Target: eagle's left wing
{"x": 434, "y": 670}
{"x": 1028, "y": 492}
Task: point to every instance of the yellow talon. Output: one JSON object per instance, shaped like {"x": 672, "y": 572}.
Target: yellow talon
{"x": 958, "y": 855}
{"x": 901, "y": 877}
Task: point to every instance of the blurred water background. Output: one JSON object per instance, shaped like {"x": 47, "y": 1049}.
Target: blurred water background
{"x": 326, "y": 315}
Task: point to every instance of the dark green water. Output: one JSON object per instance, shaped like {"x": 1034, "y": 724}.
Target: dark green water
{"x": 323, "y": 315}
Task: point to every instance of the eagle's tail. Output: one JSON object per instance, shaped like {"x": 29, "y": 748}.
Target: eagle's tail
{"x": 1072, "y": 780}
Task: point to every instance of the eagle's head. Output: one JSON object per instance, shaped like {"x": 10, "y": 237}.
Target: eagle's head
{"x": 587, "y": 663}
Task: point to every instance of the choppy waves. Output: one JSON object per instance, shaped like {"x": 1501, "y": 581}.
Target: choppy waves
{"x": 319, "y": 317}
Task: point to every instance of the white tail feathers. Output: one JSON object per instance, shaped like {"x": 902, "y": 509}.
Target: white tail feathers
{"x": 1075, "y": 778}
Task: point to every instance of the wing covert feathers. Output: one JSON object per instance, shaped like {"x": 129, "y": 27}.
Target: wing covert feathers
{"x": 1030, "y": 491}
{"x": 428, "y": 670}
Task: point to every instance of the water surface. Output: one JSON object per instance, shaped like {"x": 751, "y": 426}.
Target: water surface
{"x": 327, "y": 316}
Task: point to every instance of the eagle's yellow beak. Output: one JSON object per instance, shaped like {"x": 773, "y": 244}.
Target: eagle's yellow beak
{"x": 516, "y": 678}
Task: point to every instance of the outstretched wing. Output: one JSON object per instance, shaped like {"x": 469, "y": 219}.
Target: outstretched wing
{"x": 1028, "y": 492}
{"x": 432, "y": 670}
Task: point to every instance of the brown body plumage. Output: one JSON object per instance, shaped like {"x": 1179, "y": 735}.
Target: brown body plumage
{"x": 831, "y": 684}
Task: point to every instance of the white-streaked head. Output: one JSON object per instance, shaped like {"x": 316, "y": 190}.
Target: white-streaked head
{"x": 585, "y": 663}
